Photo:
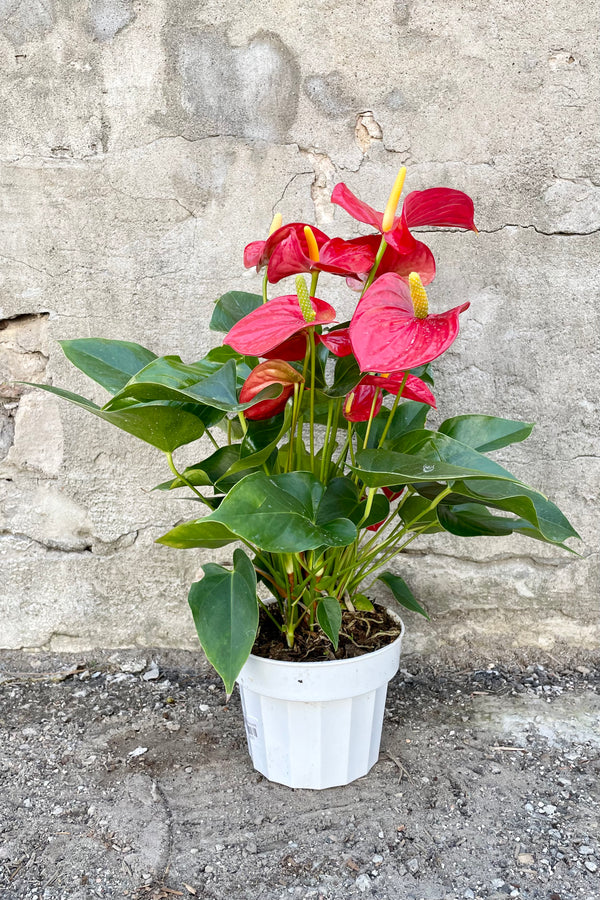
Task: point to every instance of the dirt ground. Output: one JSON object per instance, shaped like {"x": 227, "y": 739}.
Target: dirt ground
{"x": 127, "y": 776}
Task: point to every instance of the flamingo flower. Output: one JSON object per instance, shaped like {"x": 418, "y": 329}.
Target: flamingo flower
{"x": 420, "y": 259}
{"x": 359, "y": 402}
{"x": 440, "y": 207}
{"x": 392, "y": 330}
{"x": 275, "y": 322}
{"x": 296, "y": 247}
{"x": 263, "y": 375}
{"x": 258, "y": 253}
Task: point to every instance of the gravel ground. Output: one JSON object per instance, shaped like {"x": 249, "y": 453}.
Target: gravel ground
{"x": 127, "y": 776}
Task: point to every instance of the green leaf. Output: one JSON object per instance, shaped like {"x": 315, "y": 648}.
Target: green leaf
{"x": 225, "y": 611}
{"x": 279, "y": 513}
{"x": 383, "y": 468}
{"x": 258, "y": 445}
{"x": 495, "y": 486}
{"x": 435, "y": 446}
{"x": 342, "y": 498}
{"x": 486, "y": 433}
{"x": 402, "y": 592}
{"x": 346, "y": 376}
{"x": 473, "y": 520}
{"x": 232, "y": 307}
{"x": 329, "y": 617}
{"x": 523, "y": 501}
{"x": 415, "y": 506}
{"x": 362, "y": 602}
{"x": 166, "y": 426}
{"x": 199, "y": 533}
{"x": 210, "y": 384}
{"x": 110, "y": 363}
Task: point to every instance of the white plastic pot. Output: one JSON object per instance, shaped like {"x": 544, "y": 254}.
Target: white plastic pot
{"x": 317, "y": 724}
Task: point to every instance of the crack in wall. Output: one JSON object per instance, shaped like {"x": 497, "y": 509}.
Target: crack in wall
{"x": 288, "y": 184}
{"x": 97, "y": 547}
{"x": 505, "y": 558}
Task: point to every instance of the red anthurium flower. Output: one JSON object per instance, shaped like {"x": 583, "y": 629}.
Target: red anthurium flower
{"x": 414, "y": 388}
{"x": 440, "y": 207}
{"x": 391, "y": 329}
{"x": 293, "y": 349}
{"x": 293, "y": 255}
{"x": 274, "y": 371}
{"x": 358, "y": 403}
{"x": 419, "y": 259}
{"x": 258, "y": 253}
{"x": 337, "y": 342}
{"x": 274, "y": 322}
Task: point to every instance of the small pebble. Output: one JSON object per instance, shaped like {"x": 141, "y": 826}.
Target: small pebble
{"x": 152, "y": 673}
{"x": 585, "y": 850}
{"x": 590, "y": 865}
{"x": 413, "y": 865}
{"x": 363, "y": 883}
{"x": 134, "y": 666}
{"x": 468, "y": 894}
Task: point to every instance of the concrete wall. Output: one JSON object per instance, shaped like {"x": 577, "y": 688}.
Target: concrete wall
{"x": 143, "y": 144}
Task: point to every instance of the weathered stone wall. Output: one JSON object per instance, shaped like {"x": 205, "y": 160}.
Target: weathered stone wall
{"x": 143, "y": 144}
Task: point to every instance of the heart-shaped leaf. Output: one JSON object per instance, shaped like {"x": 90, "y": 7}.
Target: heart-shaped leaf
{"x": 329, "y": 617}
{"x": 225, "y": 611}
{"x": 168, "y": 378}
{"x": 166, "y": 426}
{"x": 110, "y": 363}
{"x": 279, "y": 514}
{"x": 485, "y": 433}
{"x": 402, "y": 592}
{"x": 232, "y": 307}
{"x": 199, "y": 533}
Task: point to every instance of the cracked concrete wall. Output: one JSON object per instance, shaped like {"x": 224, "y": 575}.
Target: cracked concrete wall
{"x": 142, "y": 145}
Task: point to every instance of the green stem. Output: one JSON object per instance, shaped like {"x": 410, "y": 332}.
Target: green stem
{"x": 313, "y": 355}
{"x": 182, "y": 477}
{"x": 370, "y": 422}
{"x": 326, "y": 440}
{"x": 243, "y": 422}
{"x": 373, "y": 271}
{"x": 211, "y": 439}
{"x": 272, "y": 618}
{"x": 264, "y": 287}
{"x": 393, "y": 410}
{"x": 313, "y": 283}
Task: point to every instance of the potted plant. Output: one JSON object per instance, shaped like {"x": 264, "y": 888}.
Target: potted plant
{"x": 323, "y": 470}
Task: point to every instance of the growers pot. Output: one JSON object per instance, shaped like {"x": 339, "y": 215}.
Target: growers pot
{"x": 317, "y": 724}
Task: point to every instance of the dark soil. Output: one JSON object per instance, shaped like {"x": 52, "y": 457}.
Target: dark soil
{"x": 361, "y": 632}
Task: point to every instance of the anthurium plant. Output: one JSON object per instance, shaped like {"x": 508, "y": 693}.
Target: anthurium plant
{"x": 322, "y": 468}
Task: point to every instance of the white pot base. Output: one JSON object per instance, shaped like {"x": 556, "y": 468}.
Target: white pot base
{"x": 316, "y": 725}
